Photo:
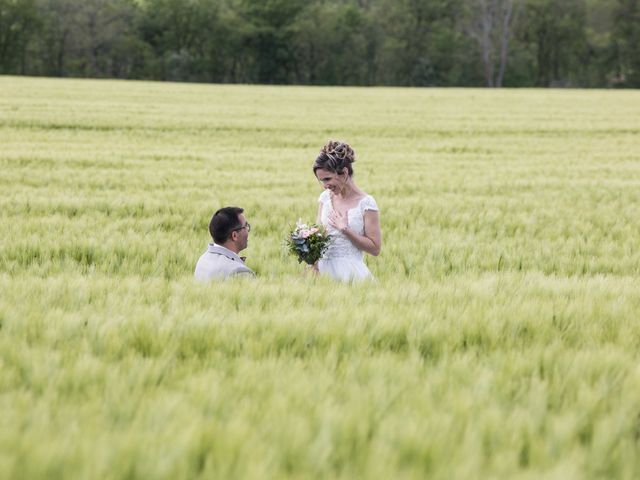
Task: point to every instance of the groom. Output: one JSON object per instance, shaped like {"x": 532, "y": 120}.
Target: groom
{"x": 230, "y": 232}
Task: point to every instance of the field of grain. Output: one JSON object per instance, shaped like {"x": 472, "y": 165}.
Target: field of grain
{"x": 500, "y": 339}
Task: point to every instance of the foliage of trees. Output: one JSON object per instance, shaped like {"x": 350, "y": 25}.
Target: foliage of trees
{"x": 582, "y": 43}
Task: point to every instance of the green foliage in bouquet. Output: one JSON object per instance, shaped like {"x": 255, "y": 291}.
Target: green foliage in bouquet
{"x": 308, "y": 242}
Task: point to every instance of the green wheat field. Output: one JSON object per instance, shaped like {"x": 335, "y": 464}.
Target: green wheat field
{"x": 500, "y": 340}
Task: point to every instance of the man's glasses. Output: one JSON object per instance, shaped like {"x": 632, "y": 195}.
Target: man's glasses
{"x": 246, "y": 225}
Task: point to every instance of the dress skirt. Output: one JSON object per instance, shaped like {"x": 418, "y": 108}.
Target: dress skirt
{"x": 345, "y": 269}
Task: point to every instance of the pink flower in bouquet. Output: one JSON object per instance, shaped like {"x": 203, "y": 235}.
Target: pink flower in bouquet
{"x": 307, "y": 232}
{"x": 308, "y": 242}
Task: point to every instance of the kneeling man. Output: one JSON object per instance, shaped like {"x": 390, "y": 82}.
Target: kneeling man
{"x": 230, "y": 232}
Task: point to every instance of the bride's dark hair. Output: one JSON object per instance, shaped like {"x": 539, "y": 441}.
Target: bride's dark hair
{"x": 335, "y": 156}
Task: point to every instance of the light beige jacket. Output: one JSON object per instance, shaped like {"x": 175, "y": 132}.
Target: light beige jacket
{"x": 219, "y": 263}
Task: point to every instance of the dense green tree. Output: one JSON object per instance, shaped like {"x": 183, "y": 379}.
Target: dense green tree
{"x": 331, "y": 45}
{"x": 422, "y": 42}
{"x": 328, "y": 42}
{"x": 626, "y": 43}
{"x": 18, "y": 22}
{"x": 491, "y": 24}
{"x": 96, "y": 38}
{"x": 178, "y": 32}
{"x": 57, "y": 37}
{"x": 556, "y": 31}
{"x": 108, "y": 31}
{"x": 268, "y": 38}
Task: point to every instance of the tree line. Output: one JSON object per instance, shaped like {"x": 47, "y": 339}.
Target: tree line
{"x": 494, "y": 43}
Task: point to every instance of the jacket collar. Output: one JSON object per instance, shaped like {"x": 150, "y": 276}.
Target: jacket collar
{"x": 220, "y": 250}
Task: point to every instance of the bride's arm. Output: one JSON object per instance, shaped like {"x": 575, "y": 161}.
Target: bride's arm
{"x": 371, "y": 241}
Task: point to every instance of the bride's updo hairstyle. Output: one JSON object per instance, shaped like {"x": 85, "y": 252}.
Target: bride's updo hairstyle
{"x": 334, "y": 157}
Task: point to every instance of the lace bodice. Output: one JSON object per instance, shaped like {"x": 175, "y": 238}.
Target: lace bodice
{"x": 340, "y": 245}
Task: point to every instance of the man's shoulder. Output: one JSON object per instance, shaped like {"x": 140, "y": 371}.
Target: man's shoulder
{"x": 216, "y": 265}
{"x": 243, "y": 270}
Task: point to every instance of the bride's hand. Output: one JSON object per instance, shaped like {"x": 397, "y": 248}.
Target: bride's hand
{"x": 338, "y": 221}
{"x": 311, "y": 270}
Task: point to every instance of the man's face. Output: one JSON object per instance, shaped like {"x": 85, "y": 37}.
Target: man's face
{"x": 242, "y": 234}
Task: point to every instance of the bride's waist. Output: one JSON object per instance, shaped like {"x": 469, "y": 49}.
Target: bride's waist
{"x": 352, "y": 252}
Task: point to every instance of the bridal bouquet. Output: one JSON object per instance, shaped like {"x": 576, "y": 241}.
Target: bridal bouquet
{"x": 307, "y": 242}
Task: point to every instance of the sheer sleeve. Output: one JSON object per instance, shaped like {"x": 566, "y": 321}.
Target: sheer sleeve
{"x": 368, "y": 203}
{"x": 324, "y": 197}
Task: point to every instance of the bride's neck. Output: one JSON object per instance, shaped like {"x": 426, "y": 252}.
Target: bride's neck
{"x": 349, "y": 190}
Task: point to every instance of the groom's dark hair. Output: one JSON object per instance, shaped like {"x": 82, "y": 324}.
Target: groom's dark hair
{"x": 223, "y": 222}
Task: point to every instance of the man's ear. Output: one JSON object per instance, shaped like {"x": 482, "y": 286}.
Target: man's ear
{"x": 234, "y": 235}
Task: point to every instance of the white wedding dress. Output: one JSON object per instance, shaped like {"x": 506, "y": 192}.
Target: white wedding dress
{"x": 343, "y": 260}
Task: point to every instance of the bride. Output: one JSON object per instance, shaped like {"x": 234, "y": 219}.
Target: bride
{"x": 350, "y": 215}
